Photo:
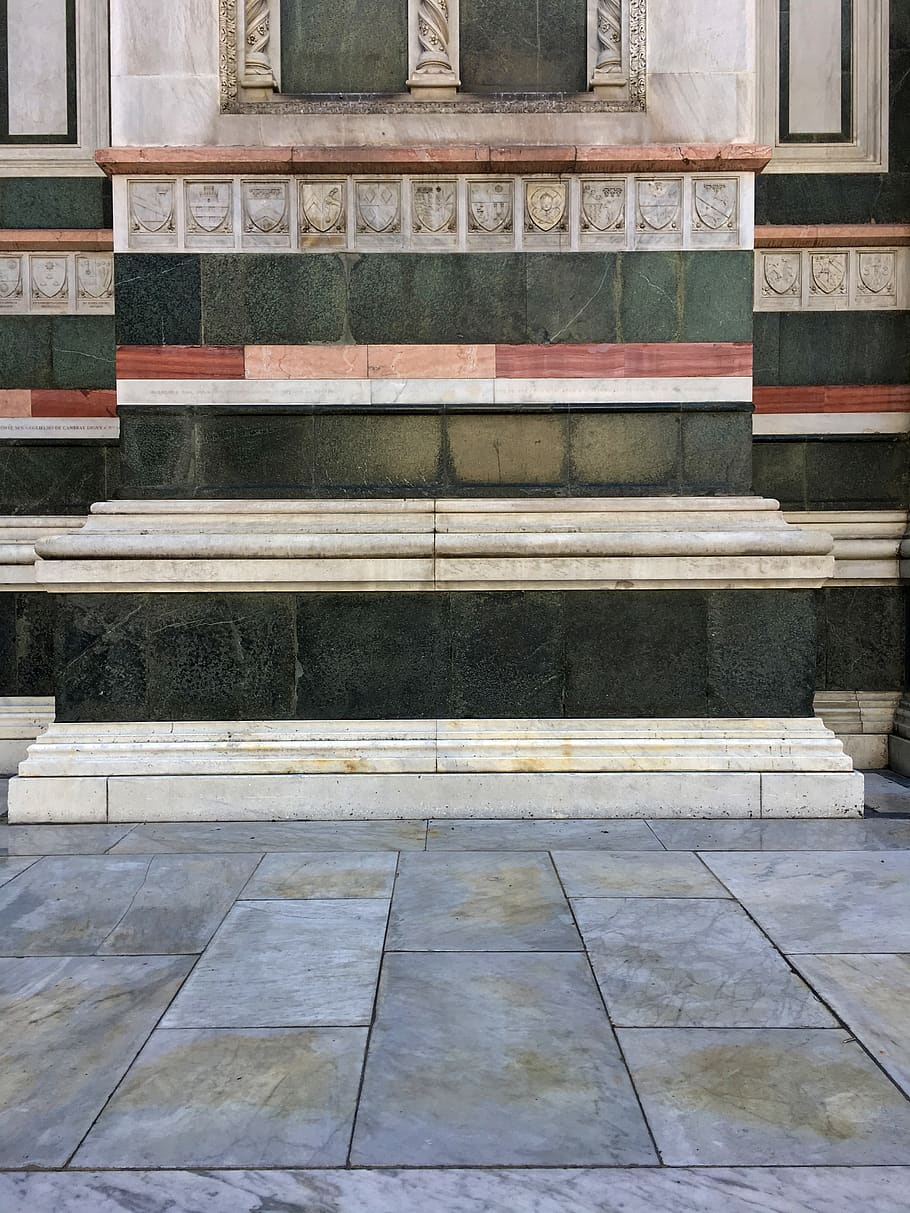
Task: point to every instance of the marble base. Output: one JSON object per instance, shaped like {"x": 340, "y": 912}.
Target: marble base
{"x": 862, "y": 720}
{"x": 259, "y": 771}
{"x": 22, "y": 719}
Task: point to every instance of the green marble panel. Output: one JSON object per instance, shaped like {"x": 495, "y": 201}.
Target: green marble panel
{"x": 572, "y": 297}
{"x": 779, "y": 471}
{"x": 506, "y": 450}
{"x": 856, "y": 472}
{"x": 157, "y": 453}
{"x": 717, "y": 296}
{"x": 269, "y": 299}
{"x": 380, "y": 454}
{"x": 82, "y": 352}
{"x": 506, "y": 46}
{"x": 637, "y": 449}
{"x": 26, "y": 643}
{"x": 49, "y": 202}
{"x": 158, "y": 299}
{"x": 25, "y": 352}
{"x": 260, "y": 453}
{"x": 862, "y": 638}
{"x": 56, "y": 477}
{"x": 843, "y": 348}
{"x": 651, "y": 297}
{"x": 101, "y": 645}
{"x": 716, "y": 452}
{"x": 349, "y": 46}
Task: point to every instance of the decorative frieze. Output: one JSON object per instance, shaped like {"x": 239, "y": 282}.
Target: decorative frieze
{"x": 832, "y": 279}
{"x": 401, "y": 213}
{"x": 62, "y": 283}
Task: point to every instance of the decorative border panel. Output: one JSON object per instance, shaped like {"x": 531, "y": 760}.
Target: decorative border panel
{"x": 832, "y": 279}
{"x": 40, "y": 283}
{"x": 489, "y": 213}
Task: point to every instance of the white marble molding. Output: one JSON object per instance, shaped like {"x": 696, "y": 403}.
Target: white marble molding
{"x": 69, "y": 284}
{"x": 22, "y": 719}
{"x": 282, "y": 770}
{"x": 862, "y": 721}
{"x": 832, "y": 279}
{"x": 18, "y": 533}
{"x": 458, "y": 213}
{"x": 867, "y": 543}
{"x": 830, "y": 423}
{"x": 899, "y": 741}
{"x": 568, "y": 543}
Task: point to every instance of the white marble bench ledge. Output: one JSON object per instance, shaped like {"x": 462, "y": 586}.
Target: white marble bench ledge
{"x": 867, "y": 543}
{"x": 584, "y": 543}
{"x": 18, "y": 535}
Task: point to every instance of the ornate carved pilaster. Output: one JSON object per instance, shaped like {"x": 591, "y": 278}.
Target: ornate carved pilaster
{"x": 433, "y": 48}
{"x": 608, "y": 75}
{"x": 257, "y": 63}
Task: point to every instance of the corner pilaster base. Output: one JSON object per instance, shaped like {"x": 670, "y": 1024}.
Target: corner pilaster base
{"x": 22, "y": 719}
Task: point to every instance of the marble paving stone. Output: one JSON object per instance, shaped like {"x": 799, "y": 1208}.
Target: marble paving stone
{"x": 70, "y": 1029}
{"x": 888, "y": 796}
{"x": 348, "y": 874}
{"x": 871, "y": 994}
{"x": 475, "y": 901}
{"x": 275, "y": 836}
{"x": 796, "y": 1096}
{"x": 541, "y": 835}
{"x": 61, "y": 839}
{"x": 12, "y": 867}
{"x": 664, "y": 962}
{"x": 493, "y": 1060}
{"x": 259, "y": 1097}
{"x": 275, "y": 964}
{"x": 862, "y": 834}
{"x": 81, "y": 904}
{"x": 457, "y": 1190}
{"x": 824, "y": 901}
{"x": 635, "y": 874}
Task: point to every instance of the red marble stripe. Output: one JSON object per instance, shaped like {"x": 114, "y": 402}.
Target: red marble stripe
{"x": 72, "y": 403}
{"x": 629, "y": 361}
{"x": 879, "y": 398}
{"x": 180, "y": 362}
{"x": 832, "y": 235}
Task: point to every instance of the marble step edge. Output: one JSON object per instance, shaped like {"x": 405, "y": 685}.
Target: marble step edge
{"x": 25, "y": 715}
{"x": 440, "y": 505}
{"x": 433, "y": 746}
{"x": 854, "y": 712}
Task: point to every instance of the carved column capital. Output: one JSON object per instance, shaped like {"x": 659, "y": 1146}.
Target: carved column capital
{"x": 433, "y": 48}
{"x": 256, "y": 61}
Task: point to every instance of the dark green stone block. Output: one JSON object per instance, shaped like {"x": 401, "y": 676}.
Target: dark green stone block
{"x": 100, "y": 657}
{"x": 506, "y": 450}
{"x": 572, "y": 297}
{"x": 403, "y": 298}
{"x": 158, "y": 299}
{"x": 269, "y": 299}
{"x": 221, "y": 656}
{"x": 35, "y": 643}
{"x": 862, "y": 638}
{"x": 716, "y": 452}
{"x": 625, "y": 449}
{"x": 82, "y": 352}
{"x": 766, "y": 348}
{"x": 25, "y": 352}
{"x": 717, "y": 296}
{"x": 506, "y": 48}
{"x": 54, "y": 477}
{"x": 49, "y": 202}
{"x": 844, "y": 347}
{"x": 372, "y": 656}
{"x": 377, "y": 453}
{"x": 9, "y": 681}
{"x": 854, "y": 472}
{"x": 157, "y": 454}
{"x": 779, "y": 471}
{"x": 635, "y": 653}
{"x": 259, "y": 454}
{"x": 761, "y": 653}
{"x": 349, "y": 46}
{"x": 507, "y": 654}
{"x": 651, "y": 297}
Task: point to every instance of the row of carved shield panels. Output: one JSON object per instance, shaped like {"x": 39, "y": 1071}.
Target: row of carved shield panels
{"x": 400, "y": 212}
{"x": 67, "y": 283}
{"x": 831, "y": 279}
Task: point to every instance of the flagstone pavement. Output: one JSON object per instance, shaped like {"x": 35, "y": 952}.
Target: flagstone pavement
{"x": 543, "y": 1016}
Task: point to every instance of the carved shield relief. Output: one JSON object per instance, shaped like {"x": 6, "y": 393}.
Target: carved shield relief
{"x": 10, "y": 279}
{"x": 208, "y": 206}
{"x": 715, "y": 204}
{"x": 659, "y": 204}
{"x": 603, "y": 206}
{"x": 780, "y": 274}
{"x": 265, "y": 207}
{"x": 378, "y": 206}
{"x": 876, "y": 273}
{"x": 151, "y": 205}
{"x": 828, "y": 273}
{"x": 50, "y": 279}
{"x": 490, "y": 206}
{"x": 547, "y": 205}
{"x": 434, "y": 206}
{"x": 322, "y": 206}
{"x": 94, "y": 277}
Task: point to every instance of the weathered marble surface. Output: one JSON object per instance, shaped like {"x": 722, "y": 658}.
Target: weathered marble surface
{"x": 871, "y": 994}
{"x": 263, "y": 1097}
{"x": 541, "y": 835}
{"x": 824, "y": 901}
{"x": 12, "y": 867}
{"x": 494, "y": 1059}
{"x": 275, "y": 836}
{"x": 60, "y": 840}
{"x": 347, "y": 874}
{"x": 479, "y": 901}
{"x": 635, "y": 874}
{"x": 70, "y": 1028}
{"x": 664, "y": 962}
{"x": 287, "y": 964}
{"x": 808, "y": 1097}
{"x": 580, "y": 1190}
{"x": 83, "y": 904}
{"x": 780, "y": 835}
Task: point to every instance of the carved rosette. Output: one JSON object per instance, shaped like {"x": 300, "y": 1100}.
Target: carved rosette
{"x": 257, "y": 63}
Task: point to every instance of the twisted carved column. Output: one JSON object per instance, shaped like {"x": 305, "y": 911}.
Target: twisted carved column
{"x": 608, "y": 73}
{"x": 257, "y": 63}
{"x": 433, "y": 72}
